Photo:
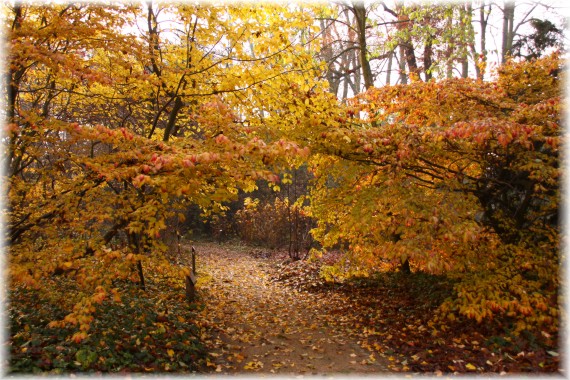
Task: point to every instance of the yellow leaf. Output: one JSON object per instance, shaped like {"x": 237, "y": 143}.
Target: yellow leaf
{"x": 470, "y": 367}
{"x": 79, "y": 336}
{"x": 170, "y": 352}
{"x": 253, "y": 365}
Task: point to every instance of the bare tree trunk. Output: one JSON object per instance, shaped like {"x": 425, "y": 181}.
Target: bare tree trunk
{"x": 478, "y": 58}
{"x": 16, "y": 73}
{"x": 402, "y": 64}
{"x": 345, "y": 88}
{"x": 389, "y": 70}
{"x": 410, "y": 56}
{"x": 428, "y": 53}
{"x": 449, "y": 52}
{"x": 357, "y": 81}
{"x": 465, "y": 14}
{"x": 327, "y": 54}
{"x": 508, "y": 20}
{"x": 360, "y": 14}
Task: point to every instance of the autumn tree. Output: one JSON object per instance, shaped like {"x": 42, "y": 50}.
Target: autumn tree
{"x": 117, "y": 121}
{"x": 459, "y": 177}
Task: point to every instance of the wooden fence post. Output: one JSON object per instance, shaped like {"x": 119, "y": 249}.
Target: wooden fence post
{"x": 193, "y": 260}
{"x": 191, "y": 280}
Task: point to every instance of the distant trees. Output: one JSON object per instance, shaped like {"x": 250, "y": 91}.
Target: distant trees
{"x": 383, "y": 43}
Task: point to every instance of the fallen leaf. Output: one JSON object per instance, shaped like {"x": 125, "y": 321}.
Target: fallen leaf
{"x": 253, "y": 365}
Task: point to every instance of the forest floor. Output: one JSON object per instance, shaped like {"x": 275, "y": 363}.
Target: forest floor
{"x": 257, "y": 324}
{"x": 264, "y": 314}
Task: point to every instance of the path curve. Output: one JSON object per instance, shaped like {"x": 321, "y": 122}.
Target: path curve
{"x": 254, "y": 325}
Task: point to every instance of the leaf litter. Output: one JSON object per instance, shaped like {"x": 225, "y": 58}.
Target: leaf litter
{"x": 266, "y": 314}
{"x": 252, "y": 323}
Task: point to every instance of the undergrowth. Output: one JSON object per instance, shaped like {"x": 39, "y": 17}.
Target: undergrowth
{"x": 150, "y": 331}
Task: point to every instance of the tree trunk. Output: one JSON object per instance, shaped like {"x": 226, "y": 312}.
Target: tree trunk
{"x": 405, "y": 267}
{"x": 465, "y": 14}
{"x": 172, "y": 118}
{"x": 389, "y": 70}
{"x": 428, "y": 53}
{"x": 15, "y": 75}
{"x": 410, "y": 56}
{"x": 360, "y": 15}
{"x": 508, "y": 20}
{"x": 327, "y": 54}
{"x": 402, "y": 65}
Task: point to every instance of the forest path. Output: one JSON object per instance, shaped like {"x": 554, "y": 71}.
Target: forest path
{"x": 255, "y": 325}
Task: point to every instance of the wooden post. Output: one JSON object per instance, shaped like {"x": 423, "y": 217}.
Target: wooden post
{"x": 190, "y": 287}
{"x": 191, "y": 280}
{"x": 193, "y": 260}
{"x": 178, "y": 242}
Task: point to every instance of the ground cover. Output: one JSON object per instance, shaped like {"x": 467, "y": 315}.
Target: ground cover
{"x": 144, "y": 331}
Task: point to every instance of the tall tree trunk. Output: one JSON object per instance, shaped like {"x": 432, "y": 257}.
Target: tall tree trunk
{"x": 153, "y": 44}
{"x": 428, "y": 53}
{"x": 327, "y": 54}
{"x": 410, "y": 56}
{"x": 478, "y": 58}
{"x": 465, "y": 14}
{"x": 345, "y": 88}
{"x": 15, "y": 77}
{"x": 449, "y": 52}
{"x": 360, "y": 15}
{"x": 389, "y": 70}
{"x": 15, "y": 74}
{"x": 402, "y": 65}
{"x": 357, "y": 78}
{"x": 508, "y": 20}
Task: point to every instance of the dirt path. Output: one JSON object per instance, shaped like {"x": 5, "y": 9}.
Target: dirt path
{"x": 256, "y": 325}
